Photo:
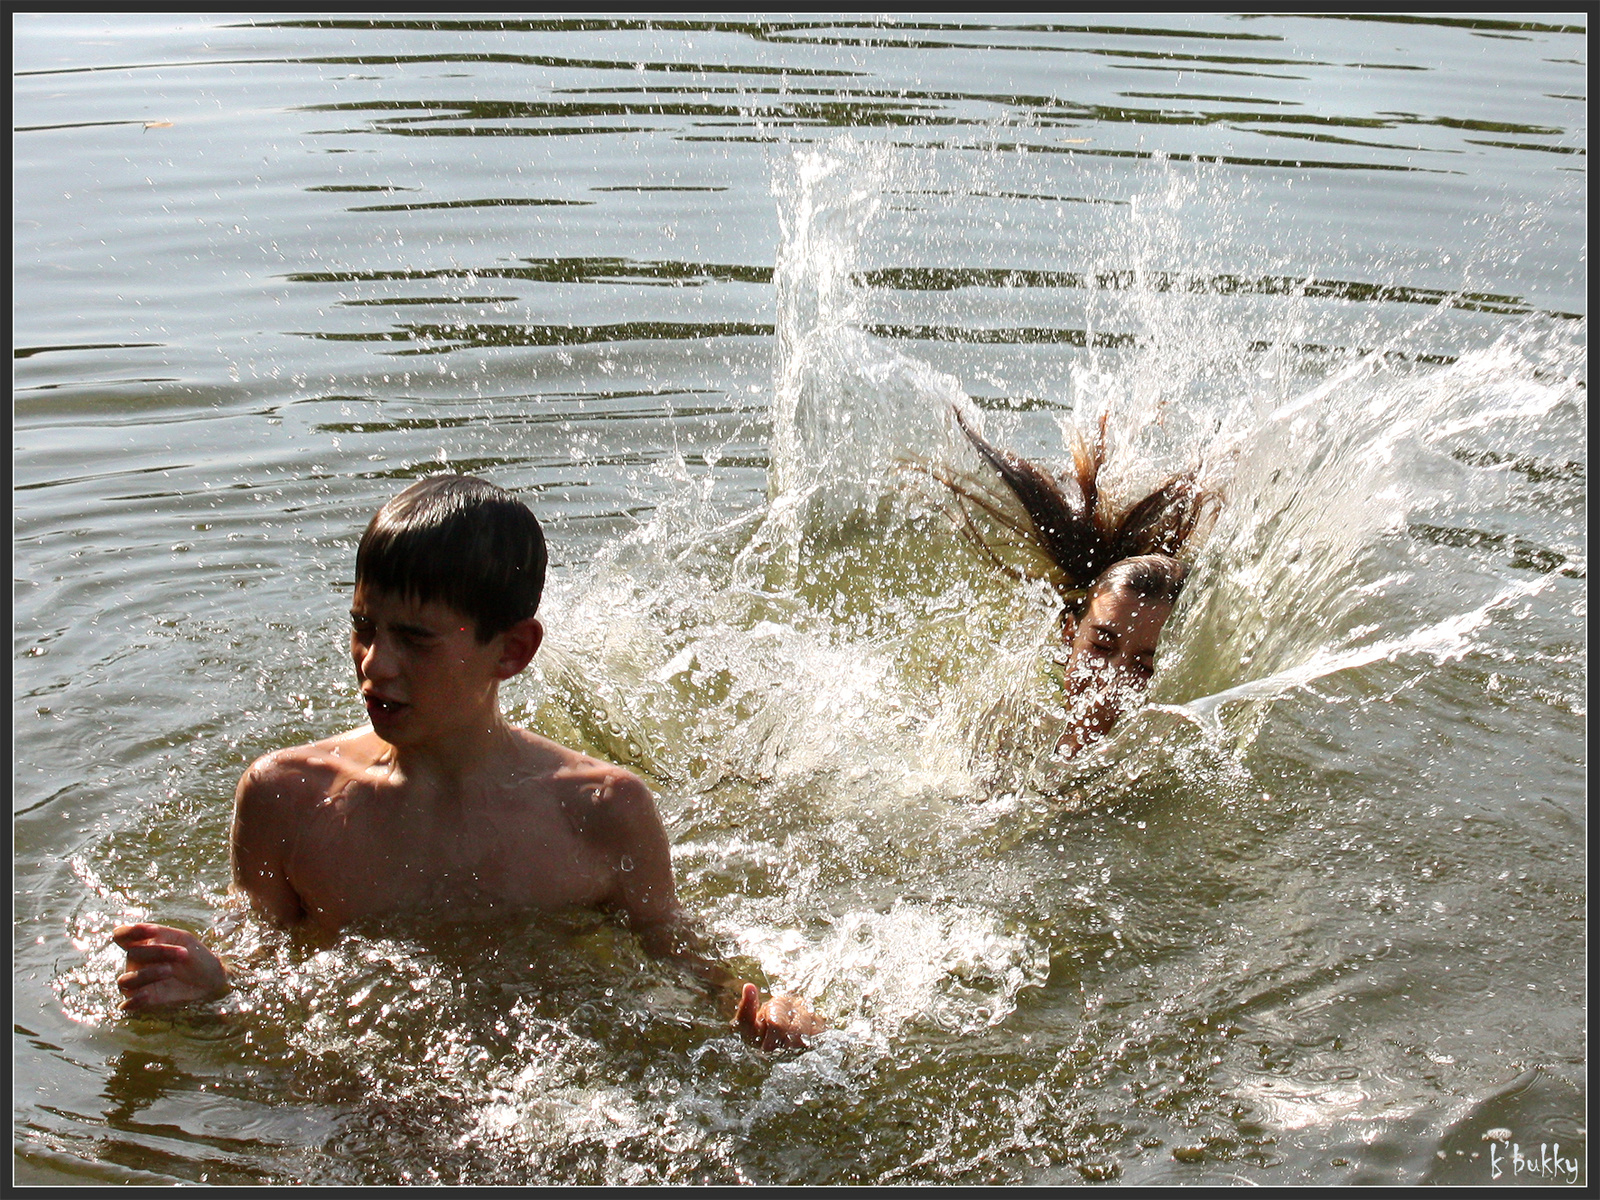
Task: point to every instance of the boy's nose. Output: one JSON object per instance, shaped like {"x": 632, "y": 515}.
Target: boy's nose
{"x": 376, "y": 660}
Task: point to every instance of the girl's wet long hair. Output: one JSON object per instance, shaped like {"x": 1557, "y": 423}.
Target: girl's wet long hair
{"x": 1068, "y": 532}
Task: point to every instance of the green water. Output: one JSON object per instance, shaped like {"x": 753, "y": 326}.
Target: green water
{"x": 697, "y": 290}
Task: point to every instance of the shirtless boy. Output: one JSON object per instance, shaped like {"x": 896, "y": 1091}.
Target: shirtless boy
{"x": 440, "y": 804}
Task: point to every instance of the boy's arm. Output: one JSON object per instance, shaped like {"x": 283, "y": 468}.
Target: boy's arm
{"x": 643, "y": 861}
{"x": 781, "y": 1021}
{"x": 262, "y": 834}
{"x": 167, "y": 966}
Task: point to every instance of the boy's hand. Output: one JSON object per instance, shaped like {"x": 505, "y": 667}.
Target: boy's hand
{"x": 782, "y": 1021}
{"x": 167, "y": 966}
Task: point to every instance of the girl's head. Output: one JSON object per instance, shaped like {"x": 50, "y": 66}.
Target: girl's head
{"x": 1115, "y": 567}
{"x": 1073, "y": 529}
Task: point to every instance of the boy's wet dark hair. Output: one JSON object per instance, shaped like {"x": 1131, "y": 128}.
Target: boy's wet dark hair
{"x": 460, "y": 540}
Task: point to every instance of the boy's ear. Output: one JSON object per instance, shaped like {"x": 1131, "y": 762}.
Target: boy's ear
{"x": 518, "y": 646}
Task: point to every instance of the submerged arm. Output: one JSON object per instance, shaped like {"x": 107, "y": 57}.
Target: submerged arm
{"x": 648, "y": 896}
{"x": 780, "y": 1021}
{"x": 166, "y": 966}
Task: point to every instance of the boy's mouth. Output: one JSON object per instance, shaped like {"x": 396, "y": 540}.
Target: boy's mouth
{"x": 378, "y": 706}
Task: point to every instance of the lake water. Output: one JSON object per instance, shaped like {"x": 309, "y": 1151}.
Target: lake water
{"x": 699, "y": 290}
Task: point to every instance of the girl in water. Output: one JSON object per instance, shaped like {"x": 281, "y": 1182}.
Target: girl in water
{"x": 1117, "y": 568}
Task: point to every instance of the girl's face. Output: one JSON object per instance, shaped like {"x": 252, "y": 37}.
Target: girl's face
{"x": 1116, "y": 637}
{"x": 1111, "y": 652}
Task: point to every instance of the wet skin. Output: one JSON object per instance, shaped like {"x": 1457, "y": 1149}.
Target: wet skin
{"x": 441, "y": 805}
{"x": 1111, "y": 654}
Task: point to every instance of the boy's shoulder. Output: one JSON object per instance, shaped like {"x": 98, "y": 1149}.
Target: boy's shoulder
{"x": 309, "y": 772}
{"x": 600, "y": 800}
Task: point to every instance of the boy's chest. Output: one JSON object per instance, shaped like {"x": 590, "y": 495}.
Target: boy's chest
{"x": 354, "y": 861}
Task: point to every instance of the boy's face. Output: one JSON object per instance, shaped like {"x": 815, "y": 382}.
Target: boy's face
{"x": 422, "y": 670}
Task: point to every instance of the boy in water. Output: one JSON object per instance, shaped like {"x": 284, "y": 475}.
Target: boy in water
{"x": 440, "y": 804}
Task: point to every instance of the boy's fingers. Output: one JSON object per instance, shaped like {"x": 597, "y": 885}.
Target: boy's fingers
{"x": 783, "y": 1021}
{"x": 156, "y": 953}
{"x": 781, "y": 1037}
{"x": 794, "y": 1018}
{"x": 166, "y": 966}
{"x": 160, "y": 993}
{"x": 128, "y": 935}
{"x": 140, "y": 1000}
{"x": 134, "y": 980}
{"x": 744, "y": 1017}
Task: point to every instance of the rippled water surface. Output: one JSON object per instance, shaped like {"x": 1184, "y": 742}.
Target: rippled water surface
{"x": 704, "y": 292}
